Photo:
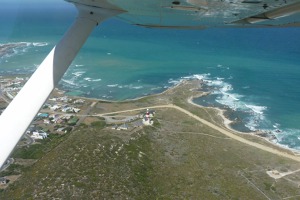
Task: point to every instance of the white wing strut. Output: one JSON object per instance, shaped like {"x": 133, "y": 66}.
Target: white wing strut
{"x": 16, "y": 118}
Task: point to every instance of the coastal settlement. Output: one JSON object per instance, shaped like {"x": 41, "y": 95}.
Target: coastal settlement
{"x": 61, "y": 114}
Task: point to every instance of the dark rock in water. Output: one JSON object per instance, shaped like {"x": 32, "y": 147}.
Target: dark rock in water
{"x": 263, "y": 134}
{"x": 10, "y": 48}
{"x": 266, "y": 134}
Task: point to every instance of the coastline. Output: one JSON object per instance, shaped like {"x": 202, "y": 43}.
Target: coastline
{"x": 220, "y": 112}
{"x": 227, "y": 122}
{"x": 134, "y": 99}
{"x": 195, "y": 92}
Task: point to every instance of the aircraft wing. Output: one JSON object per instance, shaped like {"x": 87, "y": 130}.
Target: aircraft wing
{"x": 197, "y": 14}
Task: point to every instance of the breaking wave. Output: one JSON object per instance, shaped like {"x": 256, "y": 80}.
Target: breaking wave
{"x": 125, "y": 86}
{"x": 113, "y": 85}
{"x": 79, "y": 73}
{"x": 92, "y": 80}
{"x": 70, "y": 82}
{"x": 253, "y": 115}
{"x": 225, "y": 96}
{"x": 39, "y": 44}
{"x": 8, "y": 50}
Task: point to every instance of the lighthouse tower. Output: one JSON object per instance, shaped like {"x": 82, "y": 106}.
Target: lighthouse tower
{"x": 147, "y": 118}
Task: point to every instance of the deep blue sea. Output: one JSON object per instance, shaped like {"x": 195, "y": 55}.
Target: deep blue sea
{"x": 253, "y": 72}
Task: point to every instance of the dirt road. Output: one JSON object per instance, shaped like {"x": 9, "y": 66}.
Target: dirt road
{"x": 215, "y": 127}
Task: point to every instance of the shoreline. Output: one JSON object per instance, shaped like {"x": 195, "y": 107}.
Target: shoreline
{"x": 220, "y": 112}
{"x": 227, "y": 122}
{"x": 129, "y": 100}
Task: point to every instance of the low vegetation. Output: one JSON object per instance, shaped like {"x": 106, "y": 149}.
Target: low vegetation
{"x": 38, "y": 150}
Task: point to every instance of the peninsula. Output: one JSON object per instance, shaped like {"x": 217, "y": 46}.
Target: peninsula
{"x": 107, "y": 150}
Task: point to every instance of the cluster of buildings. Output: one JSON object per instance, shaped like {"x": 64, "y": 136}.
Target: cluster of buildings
{"x": 58, "y": 115}
{"x": 11, "y": 86}
{"x": 43, "y": 122}
{"x": 53, "y": 119}
{"x": 131, "y": 122}
{"x": 63, "y": 104}
{"x": 62, "y": 107}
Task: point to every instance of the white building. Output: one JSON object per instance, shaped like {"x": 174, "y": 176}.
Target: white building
{"x": 147, "y": 119}
{"x": 39, "y": 135}
{"x": 79, "y": 101}
{"x": 55, "y": 107}
{"x": 123, "y": 127}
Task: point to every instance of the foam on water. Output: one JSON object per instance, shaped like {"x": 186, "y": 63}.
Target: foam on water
{"x": 156, "y": 88}
{"x": 9, "y": 50}
{"x": 288, "y": 138}
{"x": 39, "y": 44}
{"x": 257, "y": 109}
{"x": 70, "y": 82}
{"x": 92, "y": 80}
{"x": 96, "y": 80}
{"x": 226, "y": 96}
{"x": 131, "y": 86}
{"x": 78, "y": 73}
{"x": 253, "y": 115}
{"x": 135, "y": 87}
{"x": 112, "y": 85}
{"x": 173, "y": 82}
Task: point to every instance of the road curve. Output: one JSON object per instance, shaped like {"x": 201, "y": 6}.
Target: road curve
{"x": 215, "y": 127}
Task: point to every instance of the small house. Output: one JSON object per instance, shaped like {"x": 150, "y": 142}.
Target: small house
{"x": 79, "y": 101}
{"x": 55, "y": 107}
{"x": 53, "y": 99}
{"x": 43, "y": 115}
{"x": 46, "y": 121}
{"x": 123, "y": 127}
{"x": 62, "y": 129}
{"x": 3, "y": 181}
{"x": 76, "y": 110}
{"x": 39, "y": 135}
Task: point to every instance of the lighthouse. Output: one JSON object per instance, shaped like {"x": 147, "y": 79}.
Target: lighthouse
{"x": 147, "y": 120}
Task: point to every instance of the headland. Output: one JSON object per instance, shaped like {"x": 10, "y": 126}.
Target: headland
{"x": 103, "y": 149}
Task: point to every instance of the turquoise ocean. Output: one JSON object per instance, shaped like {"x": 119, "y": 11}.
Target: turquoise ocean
{"x": 254, "y": 73}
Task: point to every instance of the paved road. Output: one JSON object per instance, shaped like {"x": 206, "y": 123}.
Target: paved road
{"x": 3, "y": 96}
{"x": 8, "y": 162}
{"x": 215, "y": 127}
{"x": 88, "y": 110}
{"x": 29, "y": 139}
